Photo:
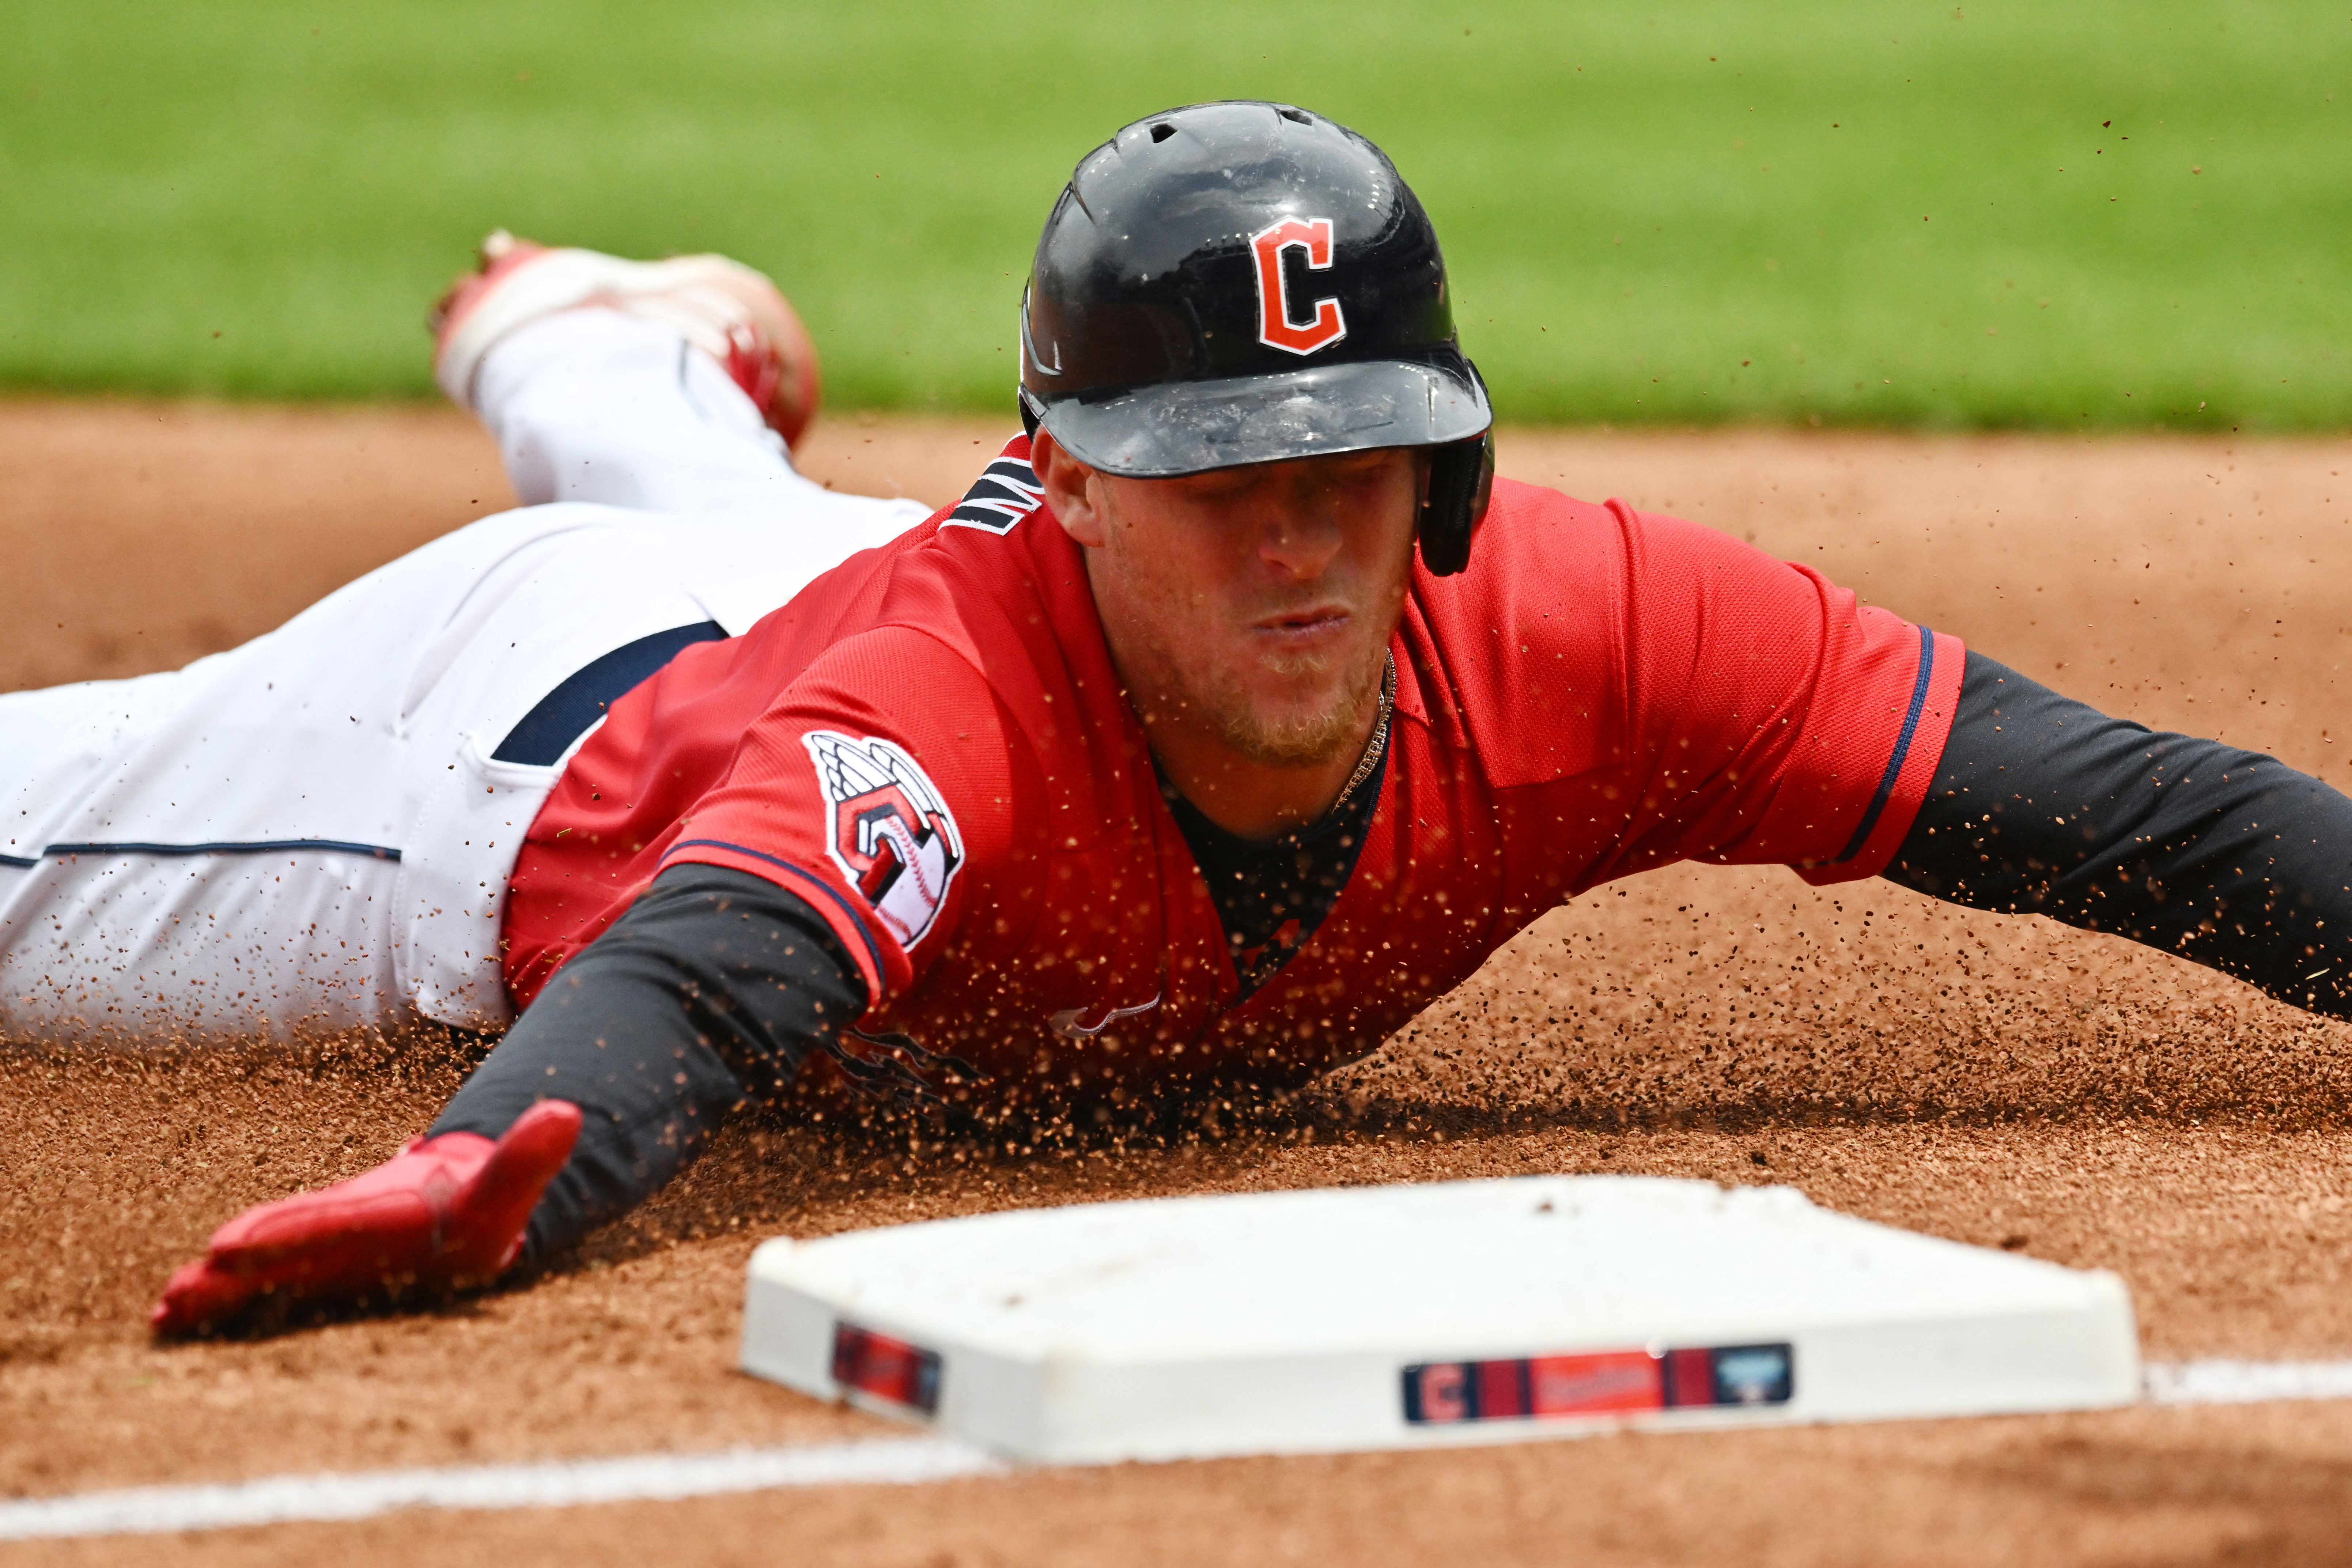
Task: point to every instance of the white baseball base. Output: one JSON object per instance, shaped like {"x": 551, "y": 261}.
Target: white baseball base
{"x": 1400, "y": 1316}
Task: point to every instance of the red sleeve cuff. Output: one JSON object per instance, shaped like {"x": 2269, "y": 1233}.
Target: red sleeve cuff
{"x": 1910, "y": 769}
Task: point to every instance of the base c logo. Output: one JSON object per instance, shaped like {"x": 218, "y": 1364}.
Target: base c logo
{"x": 1277, "y": 327}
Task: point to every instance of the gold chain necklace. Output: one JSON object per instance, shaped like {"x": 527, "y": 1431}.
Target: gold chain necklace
{"x": 1377, "y": 747}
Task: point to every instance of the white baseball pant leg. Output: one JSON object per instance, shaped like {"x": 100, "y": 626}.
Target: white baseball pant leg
{"x": 311, "y": 833}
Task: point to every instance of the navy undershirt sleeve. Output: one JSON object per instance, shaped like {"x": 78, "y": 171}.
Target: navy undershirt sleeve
{"x": 712, "y": 989}
{"x": 2044, "y": 805}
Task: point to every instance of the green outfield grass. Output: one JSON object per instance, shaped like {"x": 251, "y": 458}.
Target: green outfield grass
{"x": 1980, "y": 215}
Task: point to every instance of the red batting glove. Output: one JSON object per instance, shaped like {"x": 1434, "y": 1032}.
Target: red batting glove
{"x": 443, "y": 1213}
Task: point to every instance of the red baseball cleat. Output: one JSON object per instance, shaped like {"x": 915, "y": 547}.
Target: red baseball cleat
{"x": 725, "y": 309}
{"x": 443, "y": 1214}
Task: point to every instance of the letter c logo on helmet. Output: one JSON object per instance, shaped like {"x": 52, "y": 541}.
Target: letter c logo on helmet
{"x": 1275, "y": 326}
{"x": 1248, "y": 282}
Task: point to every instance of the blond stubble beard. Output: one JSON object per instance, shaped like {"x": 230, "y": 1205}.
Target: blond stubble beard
{"x": 1299, "y": 742}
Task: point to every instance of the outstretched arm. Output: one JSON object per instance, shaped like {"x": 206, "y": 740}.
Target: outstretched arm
{"x": 2044, "y": 805}
{"x": 713, "y": 987}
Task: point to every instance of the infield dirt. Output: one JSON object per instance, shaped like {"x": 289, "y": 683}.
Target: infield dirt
{"x": 1996, "y": 1080}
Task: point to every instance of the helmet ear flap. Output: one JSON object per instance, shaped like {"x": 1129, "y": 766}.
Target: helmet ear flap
{"x": 1461, "y": 479}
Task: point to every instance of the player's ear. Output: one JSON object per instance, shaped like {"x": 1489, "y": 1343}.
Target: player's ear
{"x": 1073, "y": 490}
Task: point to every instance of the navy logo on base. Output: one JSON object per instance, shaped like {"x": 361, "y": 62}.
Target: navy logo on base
{"x": 883, "y": 1368}
{"x": 1606, "y": 1382}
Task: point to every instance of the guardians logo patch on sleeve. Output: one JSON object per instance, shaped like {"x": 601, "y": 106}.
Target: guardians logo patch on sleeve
{"x": 891, "y": 834}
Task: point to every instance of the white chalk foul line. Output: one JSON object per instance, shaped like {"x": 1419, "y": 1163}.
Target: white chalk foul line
{"x": 2248, "y": 1381}
{"x": 896, "y": 1461}
{"x": 279, "y": 1499}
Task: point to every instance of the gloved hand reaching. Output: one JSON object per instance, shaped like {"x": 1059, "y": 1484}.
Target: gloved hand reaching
{"x": 443, "y": 1214}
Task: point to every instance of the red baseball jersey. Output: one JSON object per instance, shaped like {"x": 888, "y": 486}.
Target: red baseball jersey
{"x": 929, "y": 746}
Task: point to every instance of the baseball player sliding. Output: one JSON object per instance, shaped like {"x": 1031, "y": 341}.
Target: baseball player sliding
{"x": 1233, "y": 715}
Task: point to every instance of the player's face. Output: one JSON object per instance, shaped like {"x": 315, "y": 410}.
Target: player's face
{"x": 1255, "y": 603}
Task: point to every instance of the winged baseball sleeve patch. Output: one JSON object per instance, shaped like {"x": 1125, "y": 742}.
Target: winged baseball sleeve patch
{"x": 890, "y": 831}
